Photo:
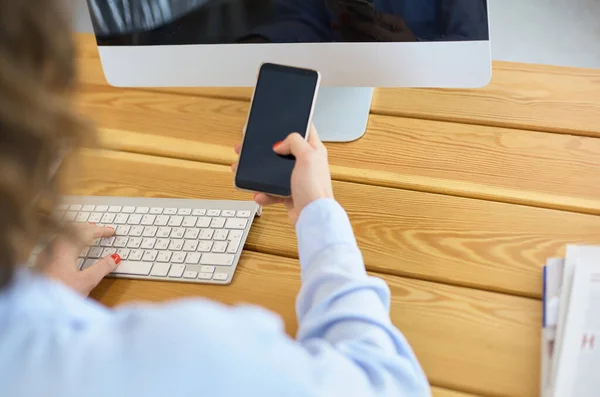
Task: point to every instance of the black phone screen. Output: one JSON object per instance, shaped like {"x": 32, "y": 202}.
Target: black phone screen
{"x": 282, "y": 104}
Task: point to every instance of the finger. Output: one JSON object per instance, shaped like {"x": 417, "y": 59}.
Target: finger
{"x": 237, "y": 148}
{"x": 294, "y": 144}
{"x": 266, "y": 200}
{"x": 313, "y": 138}
{"x": 234, "y": 167}
{"x": 95, "y": 232}
{"x": 95, "y": 273}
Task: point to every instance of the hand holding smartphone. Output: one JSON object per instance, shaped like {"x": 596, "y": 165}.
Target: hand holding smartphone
{"x": 283, "y": 102}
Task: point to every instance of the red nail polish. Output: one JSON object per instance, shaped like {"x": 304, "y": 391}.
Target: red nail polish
{"x": 93, "y": 223}
{"x": 276, "y": 145}
{"x": 116, "y": 258}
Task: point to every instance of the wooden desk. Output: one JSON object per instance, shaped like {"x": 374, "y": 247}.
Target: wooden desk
{"x": 457, "y": 198}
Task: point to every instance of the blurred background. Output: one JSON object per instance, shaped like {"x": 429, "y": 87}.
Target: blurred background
{"x": 554, "y": 32}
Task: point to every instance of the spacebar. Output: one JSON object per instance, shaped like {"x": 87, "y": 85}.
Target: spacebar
{"x": 133, "y": 268}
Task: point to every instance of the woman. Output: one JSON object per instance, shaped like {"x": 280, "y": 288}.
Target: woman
{"x": 54, "y": 342}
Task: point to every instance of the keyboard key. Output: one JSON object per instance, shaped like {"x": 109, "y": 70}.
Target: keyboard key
{"x": 134, "y": 242}
{"x": 236, "y": 223}
{"x": 213, "y": 212}
{"x": 123, "y": 253}
{"x": 120, "y": 242}
{"x": 133, "y": 268}
{"x": 136, "y": 255}
{"x": 170, "y": 211}
{"x": 150, "y": 231}
{"x": 156, "y": 210}
{"x": 233, "y": 234}
{"x": 107, "y": 241}
{"x": 128, "y": 210}
{"x": 160, "y": 269}
{"x": 148, "y": 243}
{"x": 220, "y": 247}
{"x": 142, "y": 210}
{"x": 75, "y": 207}
{"x": 217, "y": 259}
{"x": 204, "y": 276}
{"x": 228, "y": 213}
{"x": 95, "y": 217}
{"x": 199, "y": 212}
{"x": 70, "y": 216}
{"x": 203, "y": 222}
{"x": 178, "y": 232}
{"x": 175, "y": 221}
{"x": 88, "y": 208}
{"x": 163, "y": 232}
{"x": 88, "y": 263}
{"x": 108, "y": 251}
{"x": 101, "y": 208}
{"x": 150, "y": 256}
{"x": 107, "y": 217}
{"x": 176, "y": 271}
{"x": 121, "y": 219}
{"x": 80, "y": 263}
{"x": 189, "y": 221}
{"x": 220, "y": 235}
{"x": 122, "y": 230}
{"x": 114, "y": 208}
{"x": 136, "y": 231}
{"x": 190, "y": 245}
{"x": 206, "y": 234}
{"x": 178, "y": 257}
{"x": 233, "y": 247}
{"x": 217, "y": 223}
{"x": 176, "y": 245}
{"x": 95, "y": 252}
{"x": 162, "y": 244}
{"x": 164, "y": 256}
{"x": 221, "y": 276}
{"x": 134, "y": 219}
{"x": 184, "y": 211}
{"x": 84, "y": 252}
{"x": 62, "y": 207}
{"x": 148, "y": 220}
{"x": 95, "y": 242}
{"x": 82, "y": 217}
{"x": 190, "y": 274}
{"x": 205, "y": 246}
{"x": 161, "y": 220}
{"x": 207, "y": 269}
{"x": 191, "y": 233}
{"x": 243, "y": 214}
{"x": 192, "y": 258}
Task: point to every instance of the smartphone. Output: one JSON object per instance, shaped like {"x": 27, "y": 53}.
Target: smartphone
{"x": 283, "y": 102}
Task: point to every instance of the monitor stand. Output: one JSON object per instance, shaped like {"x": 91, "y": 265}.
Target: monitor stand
{"x": 341, "y": 113}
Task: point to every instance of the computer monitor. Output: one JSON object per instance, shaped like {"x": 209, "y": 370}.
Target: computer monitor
{"x": 355, "y": 44}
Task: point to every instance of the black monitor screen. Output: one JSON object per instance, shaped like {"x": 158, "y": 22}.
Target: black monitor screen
{"x": 178, "y": 22}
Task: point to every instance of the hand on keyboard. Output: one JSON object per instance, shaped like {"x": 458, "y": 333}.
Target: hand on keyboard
{"x": 60, "y": 259}
{"x": 311, "y": 179}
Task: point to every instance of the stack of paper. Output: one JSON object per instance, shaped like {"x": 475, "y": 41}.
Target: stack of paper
{"x": 571, "y": 332}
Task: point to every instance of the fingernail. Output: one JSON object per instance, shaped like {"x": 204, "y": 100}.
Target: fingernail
{"x": 116, "y": 258}
{"x": 255, "y": 196}
{"x": 93, "y": 223}
{"x": 110, "y": 227}
{"x": 276, "y": 145}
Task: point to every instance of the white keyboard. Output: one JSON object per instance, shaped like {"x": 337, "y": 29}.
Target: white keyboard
{"x": 197, "y": 241}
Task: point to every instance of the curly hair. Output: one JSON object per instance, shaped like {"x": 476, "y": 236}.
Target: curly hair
{"x": 37, "y": 123}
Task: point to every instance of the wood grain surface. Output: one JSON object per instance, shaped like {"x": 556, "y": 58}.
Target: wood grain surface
{"x": 532, "y": 97}
{"x": 475, "y": 243}
{"x": 524, "y": 167}
{"x": 448, "y": 326}
{"x": 457, "y": 198}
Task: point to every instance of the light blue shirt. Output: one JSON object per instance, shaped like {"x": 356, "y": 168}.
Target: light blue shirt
{"x": 54, "y": 343}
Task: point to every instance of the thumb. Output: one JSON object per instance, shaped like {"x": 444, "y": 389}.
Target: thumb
{"x": 95, "y": 273}
{"x": 294, "y": 144}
